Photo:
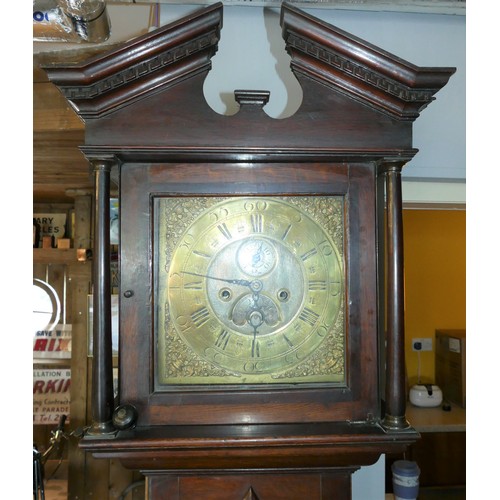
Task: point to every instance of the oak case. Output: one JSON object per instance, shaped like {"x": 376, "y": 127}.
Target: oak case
{"x": 332, "y": 402}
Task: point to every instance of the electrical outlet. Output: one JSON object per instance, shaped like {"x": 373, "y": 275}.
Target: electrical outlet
{"x": 423, "y": 344}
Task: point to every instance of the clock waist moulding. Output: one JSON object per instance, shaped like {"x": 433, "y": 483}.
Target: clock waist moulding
{"x": 261, "y": 300}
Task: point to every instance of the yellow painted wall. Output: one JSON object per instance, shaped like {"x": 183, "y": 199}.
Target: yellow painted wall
{"x": 434, "y": 245}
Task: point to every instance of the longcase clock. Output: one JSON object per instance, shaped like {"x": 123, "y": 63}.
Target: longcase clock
{"x": 261, "y": 262}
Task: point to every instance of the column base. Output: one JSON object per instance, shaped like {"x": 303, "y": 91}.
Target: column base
{"x": 101, "y": 430}
{"x": 392, "y": 423}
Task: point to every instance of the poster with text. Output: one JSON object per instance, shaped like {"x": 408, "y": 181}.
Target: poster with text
{"x": 51, "y": 395}
{"x": 53, "y": 344}
{"x": 51, "y": 225}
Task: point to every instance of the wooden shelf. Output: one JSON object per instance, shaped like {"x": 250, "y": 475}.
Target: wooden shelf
{"x": 54, "y": 256}
{"x": 436, "y": 419}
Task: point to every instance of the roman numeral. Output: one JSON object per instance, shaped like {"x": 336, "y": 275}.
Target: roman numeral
{"x": 222, "y": 339}
{"x": 194, "y": 285}
{"x": 317, "y": 285}
{"x": 285, "y": 234}
{"x": 311, "y": 252}
{"x": 309, "y": 316}
{"x": 257, "y": 222}
{"x": 200, "y": 317}
{"x": 202, "y": 254}
{"x": 225, "y": 231}
{"x": 288, "y": 341}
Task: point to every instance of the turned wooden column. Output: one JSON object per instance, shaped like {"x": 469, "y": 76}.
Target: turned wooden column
{"x": 102, "y": 366}
{"x": 395, "y": 392}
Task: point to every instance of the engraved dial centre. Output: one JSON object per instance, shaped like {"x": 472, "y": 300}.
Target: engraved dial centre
{"x": 254, "y": 305}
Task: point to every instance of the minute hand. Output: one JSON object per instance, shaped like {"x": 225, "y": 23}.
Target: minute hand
{"x": 233, "y": 282}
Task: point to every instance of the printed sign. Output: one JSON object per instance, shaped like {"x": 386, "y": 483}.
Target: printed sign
{"x": 53, "y": 344}
{"x": 51, "y": 395}
{"x": 51, "y": 225}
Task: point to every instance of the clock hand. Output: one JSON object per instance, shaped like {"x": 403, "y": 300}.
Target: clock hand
{"x": 233, "y": 282}
{"x": 255, "y": 319}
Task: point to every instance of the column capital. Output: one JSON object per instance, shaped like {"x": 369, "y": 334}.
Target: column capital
{"x": 105, "y": 163}
{"x": 392, "y": 165}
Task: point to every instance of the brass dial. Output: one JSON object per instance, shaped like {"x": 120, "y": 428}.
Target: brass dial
{"x": 254, "y": 286}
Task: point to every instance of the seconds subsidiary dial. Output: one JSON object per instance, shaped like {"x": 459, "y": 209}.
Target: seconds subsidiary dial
{"x": 252, "y": 291}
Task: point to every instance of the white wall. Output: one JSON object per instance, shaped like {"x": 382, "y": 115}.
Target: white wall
{"x": 251, "y": 55}
{"x": 368, "y": 483}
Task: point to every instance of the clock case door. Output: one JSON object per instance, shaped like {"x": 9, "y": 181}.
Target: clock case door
{"x": 358, "y": 398}
{"x": 147, "y": 119}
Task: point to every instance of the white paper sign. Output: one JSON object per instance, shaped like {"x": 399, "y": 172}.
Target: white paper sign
{"x": 51, "y": 395}
{"x": 51, "y": 225}
{"x": 53, "y": 344}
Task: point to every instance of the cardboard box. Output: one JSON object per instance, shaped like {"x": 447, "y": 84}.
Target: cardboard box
{"x": 47, "y": 241}
{"x": 64, "y": 243}
{"x": 450, "y": 365}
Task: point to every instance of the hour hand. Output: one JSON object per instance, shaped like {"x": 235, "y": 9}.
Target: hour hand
{"x": 225, "y": 280}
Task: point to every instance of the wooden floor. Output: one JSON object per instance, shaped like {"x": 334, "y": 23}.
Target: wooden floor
{"x": 56, "y": 489}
